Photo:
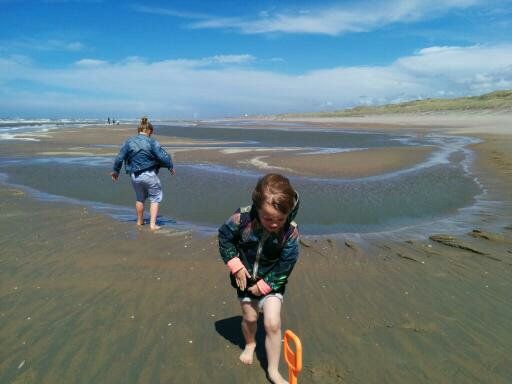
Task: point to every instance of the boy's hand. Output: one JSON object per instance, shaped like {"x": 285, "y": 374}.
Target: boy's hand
{"x": 173, "y": 172}
{"x": 254, "y": 290}
{"x": 241, "y": 278}
{"x": 114, "y": 176}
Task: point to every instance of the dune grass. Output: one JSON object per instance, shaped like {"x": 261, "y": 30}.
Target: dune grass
{"x": 494, "y": 101}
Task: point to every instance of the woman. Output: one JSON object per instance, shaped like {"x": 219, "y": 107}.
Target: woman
{"x": 143, "y": 157}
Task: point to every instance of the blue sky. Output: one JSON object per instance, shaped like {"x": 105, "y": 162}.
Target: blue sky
{"x": 205, "y": 59}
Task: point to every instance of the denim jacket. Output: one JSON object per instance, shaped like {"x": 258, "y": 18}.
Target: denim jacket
{"x": 268, "y": 257}
{"x": 141, "y": 153}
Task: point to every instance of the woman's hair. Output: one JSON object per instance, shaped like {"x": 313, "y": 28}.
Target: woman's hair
{"x": 275, "y": 190}
{"x": 145, "y": 125}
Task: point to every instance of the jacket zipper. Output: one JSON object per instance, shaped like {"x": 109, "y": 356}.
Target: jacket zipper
{"x": 258, "y": 255}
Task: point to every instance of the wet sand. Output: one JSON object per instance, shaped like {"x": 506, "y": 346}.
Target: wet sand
{"x": 99, "y": 141}
{"x": 84, "y": 298}
{"x": 368, "y": 162}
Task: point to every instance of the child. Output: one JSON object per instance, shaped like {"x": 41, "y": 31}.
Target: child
{"x": 260, "y": 245}
{"x": 143, "y": 157}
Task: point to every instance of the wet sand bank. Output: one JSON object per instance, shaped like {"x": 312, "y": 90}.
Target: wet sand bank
{"x": 354, "y": 164}
{"x": 88, "y": 299}
{"x": 105, "y": 141}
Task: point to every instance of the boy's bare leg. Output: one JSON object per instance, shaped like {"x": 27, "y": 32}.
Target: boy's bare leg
{"x": 272, "y": 321}
{"x": 139, "y": 209}
{"x": 249, "y": 326}
{"x": 153, "y": 213}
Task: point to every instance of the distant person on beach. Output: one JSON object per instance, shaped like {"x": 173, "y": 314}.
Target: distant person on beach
{"x": 143, "y": 157}
{"x": 260, "y": 245}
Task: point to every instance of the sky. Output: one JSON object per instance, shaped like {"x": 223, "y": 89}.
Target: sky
{"x": 208, "y": 59}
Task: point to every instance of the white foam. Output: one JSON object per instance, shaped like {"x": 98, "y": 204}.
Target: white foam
{"x": 35, "y": 129}
{"x": 326, "y": 151}
{"x": 258, "y": 163}
{"x": 10, "y": 136}
{"x": 232, "y": 150}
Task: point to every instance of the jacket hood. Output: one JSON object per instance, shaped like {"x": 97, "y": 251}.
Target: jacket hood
{"x": 295, "y": 209}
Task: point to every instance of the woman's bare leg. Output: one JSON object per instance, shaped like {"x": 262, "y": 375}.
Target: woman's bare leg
{"x": 139, "y": 209}
{"x": 153, "y": 213}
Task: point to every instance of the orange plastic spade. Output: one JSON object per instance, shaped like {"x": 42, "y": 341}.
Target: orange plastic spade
{"x": 293, "y": 359}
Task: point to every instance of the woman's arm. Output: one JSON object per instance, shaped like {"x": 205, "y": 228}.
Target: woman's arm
{"x": 121, "y": 156}
{"x": 163, "y": 157}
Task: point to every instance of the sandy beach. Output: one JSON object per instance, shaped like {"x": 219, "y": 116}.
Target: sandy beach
{"x": 88, "y": 299}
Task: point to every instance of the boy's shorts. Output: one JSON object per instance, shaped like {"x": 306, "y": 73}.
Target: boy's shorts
{"x": 260, "y": 301}
{"x": 147, "y": 185}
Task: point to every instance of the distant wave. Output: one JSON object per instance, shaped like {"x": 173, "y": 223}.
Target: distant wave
{"x": 35, "y": 129}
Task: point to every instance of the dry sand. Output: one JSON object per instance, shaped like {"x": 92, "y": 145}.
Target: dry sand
{"x": 86, "y": 299}
{"x": 448, "y": 122}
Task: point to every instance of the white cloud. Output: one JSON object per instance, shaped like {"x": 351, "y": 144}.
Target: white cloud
{"x": 29, "y": 44}
{"x": 475, "y": 69}
{"x": 168, "y": 12}
{"x": 208, "y": 88}
{"x": 232, "y": 59}
{"x": 41, "y": 45}
{"x": 455, "y": 61}
{"x": 90, "y": 63}
{"x": 336, "y": 20}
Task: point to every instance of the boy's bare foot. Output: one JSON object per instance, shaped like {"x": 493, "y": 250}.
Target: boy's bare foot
{"x": 140, "y": 223}
{"x": 247, "y": 355}
{"x": 276, "y": 378}
{"x": 155, "y": 227}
